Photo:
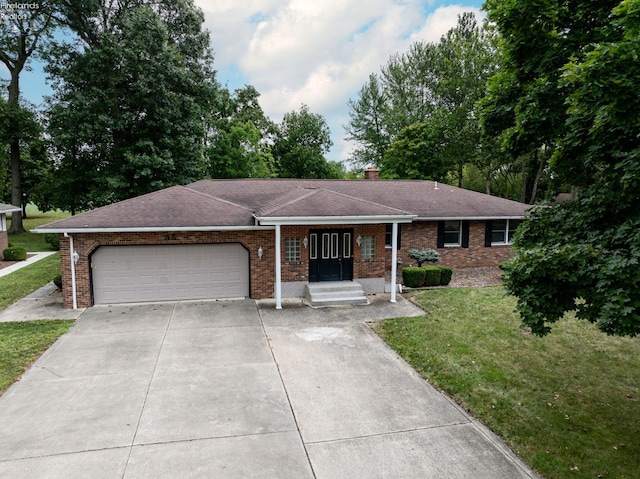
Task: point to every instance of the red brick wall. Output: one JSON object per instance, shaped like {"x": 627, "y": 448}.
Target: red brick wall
{"x": 419, "y": 235}
{"x": 362, "y": 268}
{"x": 423, "y": 235}
{"x": 262, "y": 270}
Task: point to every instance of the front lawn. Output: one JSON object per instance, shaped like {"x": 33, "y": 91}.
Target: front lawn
{"x": 35, "y": 218}
{"x": 26, "y": 280}
{"x": 22, "y": 343}
{"x": 568, "y": 404}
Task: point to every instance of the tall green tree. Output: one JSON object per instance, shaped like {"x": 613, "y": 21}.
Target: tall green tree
{"x": 435, "y": 85}
{"x": 238, "y": 135}
{"x": 23, "y": 31}
{"x": 525, "y": 106}
{"x": 468, "y": 59}
{"x": 301, "y": 142}
{"x": 416, "y": 153}
{"x": 584, "y": 255}
{"x": 131, "y": 99}
{"x": 367, "y": 125}
{"x": 23, "y": 123}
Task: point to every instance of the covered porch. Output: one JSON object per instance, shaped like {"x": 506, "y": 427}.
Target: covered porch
{"x": 322, "y": 236}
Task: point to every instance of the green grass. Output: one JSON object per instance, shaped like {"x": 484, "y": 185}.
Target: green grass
{"x": 22, "y": 343}
{"x": 35, "y": 218}
{"x": 26, "y": 280}
{"x": 568, "y": 404}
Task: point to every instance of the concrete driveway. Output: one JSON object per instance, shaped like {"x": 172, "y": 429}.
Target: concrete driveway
{"x": 235, "y": 390}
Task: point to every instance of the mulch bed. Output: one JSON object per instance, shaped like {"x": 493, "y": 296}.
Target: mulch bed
{"x": 476, "y": 277}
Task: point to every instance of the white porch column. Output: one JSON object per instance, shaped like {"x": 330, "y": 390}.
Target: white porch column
{"x": 394, "y": 260}
{"x": 278, "y": 270}
{"x": 72, "y": 257}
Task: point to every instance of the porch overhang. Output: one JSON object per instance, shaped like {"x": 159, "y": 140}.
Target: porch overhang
{"x": 279, "y": 221}
{"x": 332, "y": 220}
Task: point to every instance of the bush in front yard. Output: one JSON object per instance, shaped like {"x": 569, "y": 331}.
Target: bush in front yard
{"x": 53, "y": 239}
{"x": 424, "y": 255}
{"x": 15, "y": 253}
{"x": 413, "y": 277}
{"x": 432, "y": 275}
{"x": 445, "y": 275}
{"x": 58, "y": 281}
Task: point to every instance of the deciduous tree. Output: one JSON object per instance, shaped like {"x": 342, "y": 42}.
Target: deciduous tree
{"x": 436, "y": 86}
{"x": 301, "y": 141}
{"x": 131, "y": 99}
{"x": 238, "y": 137}
{"x": 584, "y": 255}
{"x": 23, "y": 30}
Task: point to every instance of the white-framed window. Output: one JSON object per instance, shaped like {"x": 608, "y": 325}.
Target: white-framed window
{"x": 313, "y": 246}
{"x": 368, "y": 247}
{"x": 502, "y": 231}
{"x": 292, "y": 249}
{"x": 452, "y": 233}
{"x": 346, "y": 245}
{"x": 334, "y": 245}
{"x": 326, "y": 245}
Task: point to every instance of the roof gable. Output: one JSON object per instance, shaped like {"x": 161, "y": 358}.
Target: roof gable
{"x": 320, "y": 202}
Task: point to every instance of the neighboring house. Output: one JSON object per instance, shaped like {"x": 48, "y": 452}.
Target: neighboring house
{"x": 269, "y": 238}
{"x": 4, "y": 238}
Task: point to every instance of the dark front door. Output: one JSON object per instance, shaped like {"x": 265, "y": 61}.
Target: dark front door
{"x": 331, "y": 255}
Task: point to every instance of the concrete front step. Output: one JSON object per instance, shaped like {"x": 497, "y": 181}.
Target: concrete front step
{"x": 338, "y": 293}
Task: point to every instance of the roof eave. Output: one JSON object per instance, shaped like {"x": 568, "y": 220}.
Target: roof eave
{"x": 470, "y": 218}
{"x": 149, "y": 229}
{"x": 11, "y": 210}
{"x": 333, "y": 220}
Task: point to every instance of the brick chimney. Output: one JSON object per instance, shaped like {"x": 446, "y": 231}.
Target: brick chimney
{"x": 371, "y": 173}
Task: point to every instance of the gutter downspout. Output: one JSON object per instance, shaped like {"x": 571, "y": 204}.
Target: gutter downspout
{"x": 278, "y": 270}
{"x": 394, "y": 261}
{"x": 72, "y": 257}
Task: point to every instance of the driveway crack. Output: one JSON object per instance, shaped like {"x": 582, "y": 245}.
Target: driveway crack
{"x": 146, "y": 394}
{"x": 286, "y": 392}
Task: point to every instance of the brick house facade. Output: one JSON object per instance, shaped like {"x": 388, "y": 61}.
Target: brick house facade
{"x": 262, "y": 276}
{"x": 292, "y": 232}
{"x": 423, "y": 235}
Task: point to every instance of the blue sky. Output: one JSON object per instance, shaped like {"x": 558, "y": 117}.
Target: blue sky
{"x": 306, "y": 51}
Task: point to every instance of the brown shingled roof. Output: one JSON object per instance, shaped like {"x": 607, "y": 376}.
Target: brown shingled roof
{"x": 175, "y": 207}
{"x": 232, "y": 203}
{"x": 419, "y": 197}
{"x": 312, "y": 201}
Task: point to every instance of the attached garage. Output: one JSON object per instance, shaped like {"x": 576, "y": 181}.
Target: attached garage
{"x": 131, "y": 274}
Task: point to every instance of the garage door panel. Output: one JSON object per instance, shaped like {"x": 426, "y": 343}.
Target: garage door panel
{"x": 124, "y": 274}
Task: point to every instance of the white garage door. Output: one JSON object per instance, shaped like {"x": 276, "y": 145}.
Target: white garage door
{"x": 129, "y": 274}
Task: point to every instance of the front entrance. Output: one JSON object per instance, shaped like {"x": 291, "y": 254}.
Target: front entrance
{"x": 331, "y": 255}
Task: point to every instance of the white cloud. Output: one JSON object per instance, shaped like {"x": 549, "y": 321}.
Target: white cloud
{"x": 317, "y": 53}
{"x": 441, "y": 21}
{"x": 232, "y": 23}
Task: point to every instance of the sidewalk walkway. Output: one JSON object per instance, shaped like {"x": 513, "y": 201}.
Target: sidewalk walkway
{"x": 44, "y": 303}
{"x": 27, "y": 262}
